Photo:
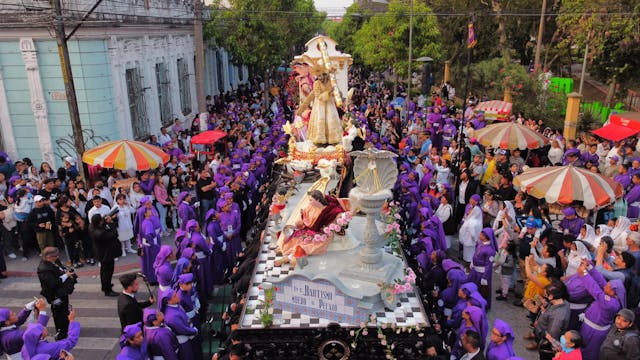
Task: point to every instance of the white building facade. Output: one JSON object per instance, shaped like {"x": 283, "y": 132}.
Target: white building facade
{"x": 133, "y": 68}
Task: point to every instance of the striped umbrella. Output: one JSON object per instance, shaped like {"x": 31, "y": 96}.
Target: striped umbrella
{"x": 510, "y": 136}
{"x": 495, "y": 109}
{"x": 566, "y": 184}
{"x": 126, "y": 154}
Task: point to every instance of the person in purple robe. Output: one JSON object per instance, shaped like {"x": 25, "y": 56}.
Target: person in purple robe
{"x": 176, "y": 319}
{"x": 467, "y": 295}
{"x": 146, "y": 203}
{"x": 578, "y": 297}
{"x": 202, "y": 251}
{"x": 186, "y": 212}
{"x": 173, "y": 150}
{"x": 230, "y": 224}
{"x": 189, "y": 298}
{"x": 214, "y": 233}
{"x": 633, "y": 198}
{"x": 149, "y": 242}
{"x": 455, "y": 277}
{"x": 449, "y": 132}
{"x": 481, "y": 267}
{"x": 473, "y": 318}
{"x": 10, "y": 322}
{"x": 132, "y": 343}
{"x": 591, "y": 156}
{"x": 571, "y": 223}
{"x": 34, "y": 339}
{"x": 501, "y": 345}
{"x": 436, "y": 225}
{"x": 161, "y": 341}
{"x": 422, "y": 250}
{"x": 609, "y": 298}
{"x": 146, "y": 184}
{"x": 162, "y": 266}
{"x": 623, "y": 177}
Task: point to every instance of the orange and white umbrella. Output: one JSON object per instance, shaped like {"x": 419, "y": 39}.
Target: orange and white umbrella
{"x": 566, "y": 184}
{"x": 510, "y": 136}
{"x": 125, "y": 155}
{"x": 495, "y": 109}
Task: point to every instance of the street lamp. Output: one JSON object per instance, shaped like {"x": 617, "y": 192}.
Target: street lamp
{"x": 426, "y": 73}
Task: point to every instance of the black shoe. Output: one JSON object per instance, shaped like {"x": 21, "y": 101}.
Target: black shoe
{"x": 3, "y": 276}
{"x": 518, "y": 295}
{"x": 111, "y": 294}
{"x": 501, "y": 297}
{"x": 517, "y": 303}
{"x": 498, "y": 291}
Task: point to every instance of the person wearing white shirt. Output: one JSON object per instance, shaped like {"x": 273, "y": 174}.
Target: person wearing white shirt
{"x": 164, "y": 136}
{"x": 98, "y": 208}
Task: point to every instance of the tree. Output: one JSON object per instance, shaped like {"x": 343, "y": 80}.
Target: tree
{"x": 263, "y": 33}
{"x": 342, "y": 32}
{"x": 611, "y": 30}
{"x": 383, "y": 40}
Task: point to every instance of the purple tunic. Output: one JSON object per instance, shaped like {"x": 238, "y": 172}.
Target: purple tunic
{"x": 598, "y": 317}
{"x": 11, "y": 338}
{"x": 202, "y": 250}
{"x": 149, "y": 252}
{"x": 572, "y": 225}
{"x": 633, "y": 202}
{"x": 579, "y": 299}
{"x": 176, "y": 319}
{"x": 132, "y": 353}
{"x": 230, "y": 224}
{"x": 624, "y": 180}
{"x": 504, "y": 350}
{"x": 185, "y": 213}
{"x": 161, "y": 342}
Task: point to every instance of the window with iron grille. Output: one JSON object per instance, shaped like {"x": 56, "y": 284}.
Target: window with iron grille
{"x": 162, "y": 79}
{"x": 137, "y": 104}
{"x": 183, "y": 84}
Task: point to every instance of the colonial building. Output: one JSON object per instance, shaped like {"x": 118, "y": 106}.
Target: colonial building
{"x": 133, "y": 66}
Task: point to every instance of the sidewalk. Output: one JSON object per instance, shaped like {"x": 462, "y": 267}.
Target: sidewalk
{"x": 131, "y": 262}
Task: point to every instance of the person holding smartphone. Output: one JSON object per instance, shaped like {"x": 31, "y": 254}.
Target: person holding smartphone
{"x": 57, "y": 283}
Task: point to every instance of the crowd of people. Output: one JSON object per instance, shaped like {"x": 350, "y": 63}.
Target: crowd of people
{"x": 461, "y": 216}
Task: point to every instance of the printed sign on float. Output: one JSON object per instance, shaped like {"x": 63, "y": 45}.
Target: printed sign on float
{"x": 317, "y": 299}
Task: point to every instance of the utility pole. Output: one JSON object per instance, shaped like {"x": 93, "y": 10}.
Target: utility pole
{"x": 199, "y": 44}
{"x": 410, "y": 55}
{"x": 536, "y": 64}
{"x": 69, "y": 87}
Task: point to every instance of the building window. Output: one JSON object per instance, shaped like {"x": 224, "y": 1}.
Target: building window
{"x": 137, "y": 105}
{"x": 183, "y": 83}
{"x": 162, "y": 78}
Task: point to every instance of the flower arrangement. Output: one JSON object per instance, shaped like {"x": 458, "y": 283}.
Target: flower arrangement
{"x": 399, "y": 286}
{"x": 392, "y": 233}
{"x": 338, "y": 226}
{"x": 265, "y": 315}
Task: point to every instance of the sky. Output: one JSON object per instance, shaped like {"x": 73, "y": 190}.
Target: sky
{"x": 333, "y": 7}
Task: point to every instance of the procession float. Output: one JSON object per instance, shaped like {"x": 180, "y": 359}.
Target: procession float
{"x": 330, "y": 281}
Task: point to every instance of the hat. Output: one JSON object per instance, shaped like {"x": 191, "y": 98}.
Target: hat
{"x": 129, "y": 332}
{"x": 4, "y": 314}
{"x": 531, "y": 224}
{"x": 473, "y": 140}
{"x": 185, "y": 278}
{"x": 145, "y": 199}
{"x": 182, "y": 195}
{"x": 38, "y": 198}
{"x": 476, "y": 197}
{"x": 614, "y": 158}
{"x": 635, "y": 237}
{"x": 70, "y": 160}
{"x": 569, "y": 211}
{"x": 14, "y": 178}
{"x": 501, "y": 152}
{"x": 149, "y": 316}
{"x": 187, "y": 253}
{"x": 627, "y": 315}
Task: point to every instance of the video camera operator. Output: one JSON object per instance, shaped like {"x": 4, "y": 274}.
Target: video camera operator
{"x": 57, "y": 283}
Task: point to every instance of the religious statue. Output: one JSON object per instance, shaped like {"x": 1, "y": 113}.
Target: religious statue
{"x": 324, "y": 127}
{"x": 308, "y": 231}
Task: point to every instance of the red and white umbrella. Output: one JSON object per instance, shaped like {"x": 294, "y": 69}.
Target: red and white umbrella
{"x": 510, "y": 136}
{"x": 566, "y": 184}
{"x": 495, "y": 109}
{"x": 126, "y": 154}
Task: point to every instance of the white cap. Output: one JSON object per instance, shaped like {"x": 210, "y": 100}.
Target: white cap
{"x": 38, "y": 198}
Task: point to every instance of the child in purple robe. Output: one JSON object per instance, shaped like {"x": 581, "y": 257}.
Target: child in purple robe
{"x": 161, "y": 341}
{"x": 215, "y": 235}
{"x": 162, "y": 266}
{"x": 11, "y": 334}
{"x": 177, "y": 320}
{"x": 185, "y": 211}
{"x": 202, "y": 251}
{"x": 481, "y": 267}
{"x": 35, "y": 343}
{"x": 230, "y": 224}
{"x": 501, "y": 345}
{"x": 149, "y": 242}
{"x": 132, "y": 343}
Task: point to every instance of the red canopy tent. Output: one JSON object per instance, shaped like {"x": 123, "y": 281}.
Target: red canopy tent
{"x": 620, "y": 126}
{"x": 206, "y": 138}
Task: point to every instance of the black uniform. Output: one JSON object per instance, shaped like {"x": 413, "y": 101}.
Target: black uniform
{"x": 56, "y": 288}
